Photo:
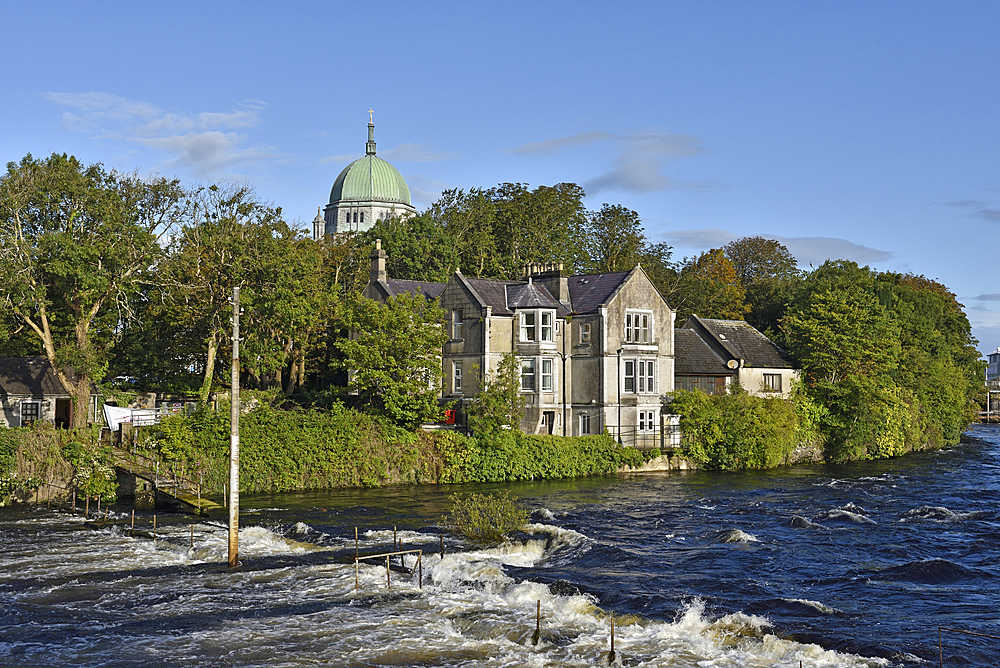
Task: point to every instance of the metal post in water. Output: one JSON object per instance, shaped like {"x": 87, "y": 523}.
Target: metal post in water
{"x": 355, "y": 543}
{"x": 133, "y": 518}
{"x": 234, "y": 440}
{"x": 940, "y": 650}
{"x": 74, "y": 500}
{"x": 356, "y": 586}
{"x": 538, "y": 623}
{"x": 192, "y": 536}
{"x": 98, "y": 506}
{"x": 86, "y": 508}
{"x": 387, "y": 583}
{"x": 442, "y": 546}
{"x": 420, "y": 565}
{"x": 611, "y": 654}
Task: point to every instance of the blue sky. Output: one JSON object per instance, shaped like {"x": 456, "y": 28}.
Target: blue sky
{"x": 859, "y": 130}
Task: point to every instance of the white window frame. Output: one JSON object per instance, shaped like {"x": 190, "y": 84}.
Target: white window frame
{"x": 646, "y": 421}
{"x": 771, "y": 382}
{"x": 547, "y": 375}
{"x": 639, "y": 327}
{"x": 584, "y": 332}
{"x": 456, "y": 383}
{"x": 647, "y": 377}
{"x": 457, "y": 325}
{"x": 38, "y": 411}
{"x": 585, "y": 424}
{"x": 630, "y": 376}
{"x": 528, "y": 374}
{"x": 528, "y": 330}
{"x": 546, "y": 326}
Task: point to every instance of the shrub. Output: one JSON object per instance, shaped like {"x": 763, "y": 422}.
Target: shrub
{"x": 486, "y": 518}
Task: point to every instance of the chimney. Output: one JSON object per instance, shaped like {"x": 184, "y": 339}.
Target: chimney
{"x": 378, "y": 263}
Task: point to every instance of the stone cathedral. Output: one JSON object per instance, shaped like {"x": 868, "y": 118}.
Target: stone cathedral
{"x": 367, "y": 190}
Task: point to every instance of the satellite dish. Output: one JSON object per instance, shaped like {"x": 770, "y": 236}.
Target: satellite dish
{"x": 732, "y": 364}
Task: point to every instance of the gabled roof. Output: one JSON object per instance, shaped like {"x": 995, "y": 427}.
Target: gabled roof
{"x": 31, "y": 376}
{"x": 590, "y": 291}
{"x": 740, "y": 341}
{"x": 694, "y": 357}
{"x": 431, "y": 290}
{"x": 533, "y": 295}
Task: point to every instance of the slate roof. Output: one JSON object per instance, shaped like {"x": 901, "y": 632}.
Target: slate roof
{"x": 30, "y": 376}
{"x": 491, "y": 292}
{"x": 533, "y": 295}
{"x": 693, "y": 356}
{"x": 590, "y": 291}
{"x": 744, "y": 342}
{"x": 431, "y": 290}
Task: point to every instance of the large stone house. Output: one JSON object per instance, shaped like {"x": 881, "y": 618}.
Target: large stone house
{"x": 30, "y": 392}
{"x": 712, "y": 354}
{"x": 596, "y": 351}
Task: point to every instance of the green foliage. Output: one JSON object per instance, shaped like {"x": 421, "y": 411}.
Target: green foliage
{"x": 709, "y": 287}
{"x": 94, "y": 471}
{"x": 506, "y": 455}
{"x": 500, "y": 404}
{"x": 738, "y": 430}
{"x": 393, "y": 356}
{"x": 768, "y": 274}
{"x": 75, "y": 245}
{"x": 486, "y": 518}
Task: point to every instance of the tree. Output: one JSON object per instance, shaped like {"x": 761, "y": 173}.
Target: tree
{"x": 393, "y": 355}
{"x": 709, "y": 287}
{"x": 75, "y": 242}
{"x": 419, "y": 248}
{"x": 847, "y": 343}
{"x": 769, "y": 275}
{"x": 499, "y": 404}
{"x": 614, "y": 239}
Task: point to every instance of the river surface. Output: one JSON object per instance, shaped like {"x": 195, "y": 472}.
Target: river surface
{"x": 855, "y": 565}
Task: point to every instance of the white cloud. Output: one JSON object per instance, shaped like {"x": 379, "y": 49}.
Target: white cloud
{"x": 639, "y": 163}
{"x": 807, "y": 250}
{"x": 991, "y": 297}
{"x": 204, "y": 142}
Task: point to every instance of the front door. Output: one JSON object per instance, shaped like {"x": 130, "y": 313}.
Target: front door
{"x": 548, "y": 421}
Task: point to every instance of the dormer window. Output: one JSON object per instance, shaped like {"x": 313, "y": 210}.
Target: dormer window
{"x": 585, "y": 332}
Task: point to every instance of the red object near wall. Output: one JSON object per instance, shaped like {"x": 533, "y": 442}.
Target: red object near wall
{"x": 449, "y": 417}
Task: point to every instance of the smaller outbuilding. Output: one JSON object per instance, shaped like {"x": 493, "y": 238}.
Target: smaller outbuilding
{"x": 30, "y": 392}
{"x": 711, "y": 354}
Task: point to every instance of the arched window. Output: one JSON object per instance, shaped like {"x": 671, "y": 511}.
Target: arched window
{"x": 362, "y": 217}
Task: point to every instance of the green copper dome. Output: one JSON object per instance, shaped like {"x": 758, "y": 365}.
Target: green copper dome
{"x": 370, "y": 179}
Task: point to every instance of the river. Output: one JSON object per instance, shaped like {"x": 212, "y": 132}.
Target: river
{"x": 855, "y": 565}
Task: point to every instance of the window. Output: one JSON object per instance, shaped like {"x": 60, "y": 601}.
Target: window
{"x": 546, "y": 375}
{"x": 645, "y": 376}
{"x": 640, "y": 376}
{"x": 647, "y": 420}
{"x": 584, "y": 424}
{"x": 772, "y": 382}
{"x": 456, "y": 324}
{"x": 528, "y": 375}
{"x": 585, "y": 332}
{"x": 31, "y": 411}
{"x": 546, "y": 326}
{"x": 362, "y": 216}
{"x": 457, "y": 376}
{"x": 527, "y": 326}
{"x": 638, "y": 328}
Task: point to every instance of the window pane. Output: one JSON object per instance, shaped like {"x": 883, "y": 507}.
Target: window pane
{"x": 546, "y": 375}
{"x": 546, "y": 326}
{"x": 585, "y": 333}
{"x": 528, "y": 375}
{"x": 629, "y": 375}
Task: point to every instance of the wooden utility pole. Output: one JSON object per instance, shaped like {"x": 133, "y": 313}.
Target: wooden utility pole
{"x": 234, "y": 441}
